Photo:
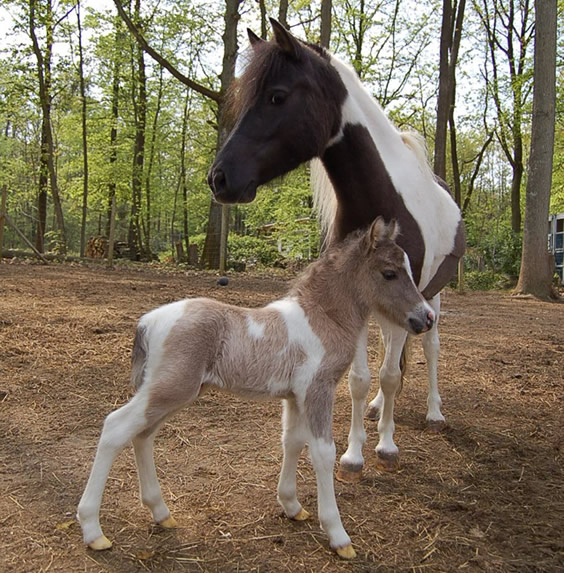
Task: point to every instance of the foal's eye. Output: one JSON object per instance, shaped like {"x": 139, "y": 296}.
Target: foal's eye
{"x": 278, "y": 98}
{"x": 389, "y": 275}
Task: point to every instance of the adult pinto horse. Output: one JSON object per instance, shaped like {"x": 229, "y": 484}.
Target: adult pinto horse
{"x": 295, "y": 102}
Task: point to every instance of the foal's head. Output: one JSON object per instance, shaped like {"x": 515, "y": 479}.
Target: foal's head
{"x": 287, "y": 105}
{"x": 385, "y": 283}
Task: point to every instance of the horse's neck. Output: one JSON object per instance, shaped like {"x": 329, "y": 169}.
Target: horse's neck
{"x": 328, "y": 297}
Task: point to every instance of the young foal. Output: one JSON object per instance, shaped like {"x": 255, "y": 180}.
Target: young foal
{"x": 295, "y": 349}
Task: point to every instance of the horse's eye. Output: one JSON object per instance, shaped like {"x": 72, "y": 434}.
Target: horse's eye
{"x": 277, "y": 98}
{"x": 389, "y": 275}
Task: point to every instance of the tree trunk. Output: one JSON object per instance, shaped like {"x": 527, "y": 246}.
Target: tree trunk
{"x": 283, "y": 13}
{"x": 451, "y": 33}
{"x": 149, "y": 216}
{"x": 113, "y": 131}
{"x": 43, "y": 188}
{"x": 139, "y": 91}
{"x": 537, "y": 265}
{"x": 45, "y": 100}
{"x": 211, "y": 252}
{"x": 325, "y": 31}
{"x": 84, "y": 136}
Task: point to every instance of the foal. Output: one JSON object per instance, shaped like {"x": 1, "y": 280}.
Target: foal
{"x": 295, "y": 349}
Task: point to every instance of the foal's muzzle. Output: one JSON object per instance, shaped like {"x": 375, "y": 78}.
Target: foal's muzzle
{"x": 422, "y": 320}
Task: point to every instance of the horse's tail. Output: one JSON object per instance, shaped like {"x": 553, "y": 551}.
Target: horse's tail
{"x": 139, "y": 357}
{"x": 324, "y": 198}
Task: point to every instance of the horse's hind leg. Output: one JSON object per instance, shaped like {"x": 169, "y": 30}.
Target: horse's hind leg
{"x": 293, "y": 441}
{"x": 120, "y": 427}
{"x": 352, "y": 461}
{"x": 149, "y": 488}
{"x": 431, "y": 347}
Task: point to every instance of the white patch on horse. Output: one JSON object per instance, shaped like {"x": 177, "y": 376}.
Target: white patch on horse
{"x": 404, "y": 165}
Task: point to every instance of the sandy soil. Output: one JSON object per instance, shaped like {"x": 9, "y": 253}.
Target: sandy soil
{"x": 486, "y": 494}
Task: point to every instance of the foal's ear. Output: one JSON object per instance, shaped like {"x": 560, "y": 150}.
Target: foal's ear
{"x": 379, "y": 231}
{"x": 285, "y": 40}
{"x": 253, "y": 38}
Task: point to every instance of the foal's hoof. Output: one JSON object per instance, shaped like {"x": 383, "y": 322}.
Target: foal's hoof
{"x": 387, "y": 462}
{"x": 302, "y": 515}
{"x": 372, "y": 413}
{"x": 100, "y": 543}
{"x": 436, "y": 426}
{"x": 349, "y": 474}
{"x": 346, "y": 552}
{"x": 168, "y": 523}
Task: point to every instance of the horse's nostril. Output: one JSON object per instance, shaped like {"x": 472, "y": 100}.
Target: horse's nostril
{"x": 216, "y": 179}
{"x": 430, "y": 320}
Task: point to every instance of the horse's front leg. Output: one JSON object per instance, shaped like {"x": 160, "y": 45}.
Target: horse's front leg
{"x": 394, "y": 339}
{"x": 352, "y": 461}
{"x": 431, "y": 347}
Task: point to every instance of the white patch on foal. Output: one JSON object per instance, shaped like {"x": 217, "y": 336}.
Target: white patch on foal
{"x": 255, "y": 329}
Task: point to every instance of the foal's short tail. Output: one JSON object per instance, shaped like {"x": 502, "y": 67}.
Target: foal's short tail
{"x": 139, "y": 357}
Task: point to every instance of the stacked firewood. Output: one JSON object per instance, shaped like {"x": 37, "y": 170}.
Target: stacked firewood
{"x": 97, "y": 247}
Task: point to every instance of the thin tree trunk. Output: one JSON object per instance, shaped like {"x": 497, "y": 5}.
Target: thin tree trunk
{"x": 84, "y": 136}
{"x": 150, "y": 163}
{"x": 113, "y": 130}
{"x": 537, "y": 265}
{"x": 2, "y": 216}
{"x": 140, "y": 104}
{"x": 45, "y": 99}
{"x": 42, "y": 191}
{"x": 214, "y": 242}
{"x": 325, "y": 31}
{"x": 283, "y": 13}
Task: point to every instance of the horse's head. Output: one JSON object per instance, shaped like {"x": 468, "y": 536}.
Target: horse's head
{"x": 386, "y": 283}
{"x": 287, "y": 106}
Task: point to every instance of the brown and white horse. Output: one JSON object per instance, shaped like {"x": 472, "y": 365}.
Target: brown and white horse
{"x": 295, "y": 102}
{"x": 295, "y": 349}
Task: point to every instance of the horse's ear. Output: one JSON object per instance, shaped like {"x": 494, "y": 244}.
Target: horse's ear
{"x": 285, "y": 40}
{"x": 253, "y": 38}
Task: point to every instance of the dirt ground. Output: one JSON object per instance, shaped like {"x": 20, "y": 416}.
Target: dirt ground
{"x": 486, "y": 494}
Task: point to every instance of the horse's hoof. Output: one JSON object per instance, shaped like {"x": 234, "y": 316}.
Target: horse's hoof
{"x": 168, "y": 523}
{"x": 346, "y": 552}
{"x": 349, "y": 475}
{"x": 436, "y": 426}
{"x": 100, "y": 543}
{"x": 302, "y": 515}
{"x": 387, "y": 462}
{"x": 372, "y": 413}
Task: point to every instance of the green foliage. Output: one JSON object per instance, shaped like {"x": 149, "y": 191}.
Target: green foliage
{"x": 482, "y": 280}
{"x": 252, "y": 250}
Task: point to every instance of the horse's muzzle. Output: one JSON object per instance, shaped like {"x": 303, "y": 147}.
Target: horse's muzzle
{"x": 422, "y": 322}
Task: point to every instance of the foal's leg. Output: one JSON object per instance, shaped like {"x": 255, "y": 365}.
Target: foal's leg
{"x": 294, "y": 437}
{"x": 120, "y": 427}
{"x": 352, "y": 461}
{"x": 431, "y": 347}
{"x": 149, "y": 488}
{"x": 323, "y": 455}
{"x": 394, "y": 338}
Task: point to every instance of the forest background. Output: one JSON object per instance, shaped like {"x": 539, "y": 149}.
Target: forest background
{"x": 105, "y": 98}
